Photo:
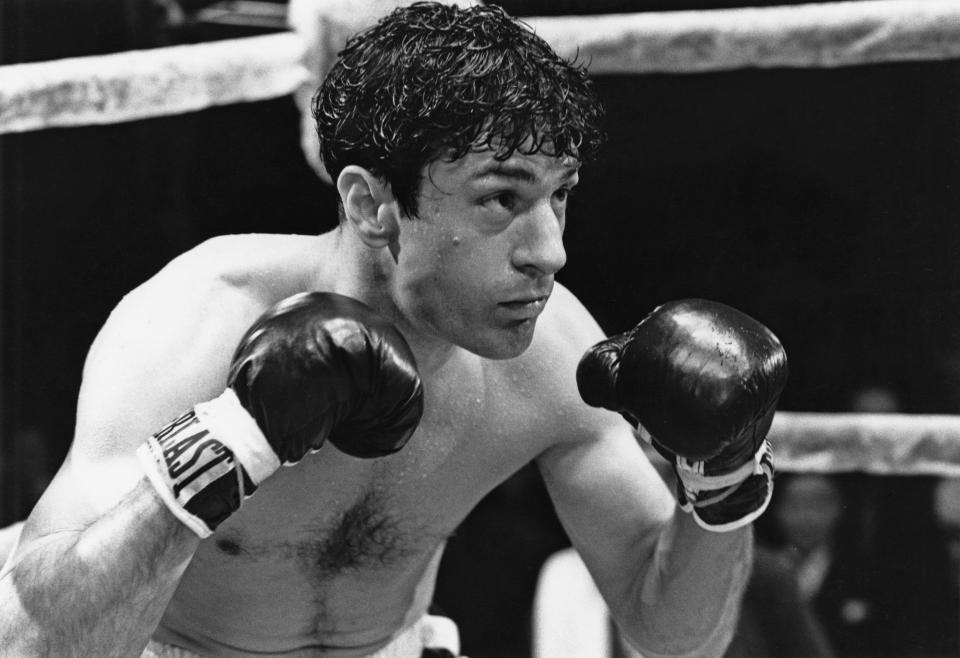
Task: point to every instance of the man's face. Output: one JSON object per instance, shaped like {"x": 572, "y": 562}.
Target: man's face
{"x": 477, "y": 264}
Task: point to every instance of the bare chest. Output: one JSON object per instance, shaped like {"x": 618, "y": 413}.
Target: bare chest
{"x": 341, "y": 549}
{"x": 333, "y": 514}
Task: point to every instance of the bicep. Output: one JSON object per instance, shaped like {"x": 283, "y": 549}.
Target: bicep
{"x": 611, "y": 500}
{"x": 100, "y": 469}
{"x": 142, "y": 371}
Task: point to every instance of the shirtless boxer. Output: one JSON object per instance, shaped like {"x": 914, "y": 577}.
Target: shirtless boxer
{"x": 454, "y": 138}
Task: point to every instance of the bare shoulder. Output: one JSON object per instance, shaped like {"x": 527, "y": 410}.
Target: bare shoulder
{"x": 168, "y": 342}
{"x": 166, "y": 346}
{"x": 565, "y": 330}
{"x": 568, "y": 320}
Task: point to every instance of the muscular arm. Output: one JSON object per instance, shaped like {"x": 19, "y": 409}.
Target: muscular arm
{"x": 99, "y": 591}
{"x": 101, "y": 555}
{"x": 673, "y": 588}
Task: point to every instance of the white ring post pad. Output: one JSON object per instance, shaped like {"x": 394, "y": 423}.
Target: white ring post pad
{"x": 194, "y": 462}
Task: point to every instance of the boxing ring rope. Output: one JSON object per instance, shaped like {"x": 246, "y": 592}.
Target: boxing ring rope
{"x": 149, "y": 83}
{"x": 816, "y": 35}
{"x": 141, "y": 84}
{"x": 879, "y": 444}
{"x": 164, "y": 81}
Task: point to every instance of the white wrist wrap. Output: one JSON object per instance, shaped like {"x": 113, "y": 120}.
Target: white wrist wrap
{"x": 199, "y": 449}
{"x": 691, "y": 472}
{"x": 695, "y": 483}
{"x": 235, "y": 427}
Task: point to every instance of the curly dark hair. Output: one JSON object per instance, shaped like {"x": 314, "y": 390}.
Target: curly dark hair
{"x": 432, "y": 79}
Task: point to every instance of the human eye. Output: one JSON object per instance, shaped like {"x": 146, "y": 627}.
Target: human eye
{"x": 562, "y": 195}
{"x": 502, "y": 200}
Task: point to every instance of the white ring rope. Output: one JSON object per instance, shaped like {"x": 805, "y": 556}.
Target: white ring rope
{"x": 880, "y": 444}
{"x": 806, "y": 36}
{"x": 164, "y": 81}
{"x": 140, "y": 84}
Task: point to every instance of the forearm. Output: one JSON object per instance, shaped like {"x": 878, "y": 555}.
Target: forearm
{"x": 100, "y": 591}
{"x": 687, "y": 600}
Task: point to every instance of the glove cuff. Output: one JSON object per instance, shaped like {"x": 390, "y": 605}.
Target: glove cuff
{"x": 227, "y": 420}
{"x": 725, "y": 502}
{"x": 207, "y": 461}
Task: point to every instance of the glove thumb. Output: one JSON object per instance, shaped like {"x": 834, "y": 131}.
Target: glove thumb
{"x": 598, "y": 370}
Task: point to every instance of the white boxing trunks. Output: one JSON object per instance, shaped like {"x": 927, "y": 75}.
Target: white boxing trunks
{"x": 431, "y": 635}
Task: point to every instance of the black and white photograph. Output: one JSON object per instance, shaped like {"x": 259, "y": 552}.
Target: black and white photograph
{"x": 466, "y": 329}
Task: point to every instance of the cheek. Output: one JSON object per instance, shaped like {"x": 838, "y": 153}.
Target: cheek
{"x": 460, "y": 280}
{"x": 438, "y": 281}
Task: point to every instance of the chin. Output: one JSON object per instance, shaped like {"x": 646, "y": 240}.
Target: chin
{"x": 502, "y": 344}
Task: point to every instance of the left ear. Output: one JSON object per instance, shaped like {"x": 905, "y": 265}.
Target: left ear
{"x": 371, "y": 208}
{"x": 388, "y": 217}
{"x": 385, "y": 229}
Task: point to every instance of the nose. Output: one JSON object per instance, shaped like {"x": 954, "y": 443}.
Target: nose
{"x": 540, "y": 251}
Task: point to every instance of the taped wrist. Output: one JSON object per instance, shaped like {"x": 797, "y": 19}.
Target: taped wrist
{"x": 207, "y": 461}
{"x": 726, "y": 501}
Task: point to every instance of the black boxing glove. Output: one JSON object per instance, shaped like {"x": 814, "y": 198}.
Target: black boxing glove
{"x": 315, "y": 367}
{"x": 702, "y": 381}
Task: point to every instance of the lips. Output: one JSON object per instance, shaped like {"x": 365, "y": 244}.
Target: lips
{"x": 525, "y": 308}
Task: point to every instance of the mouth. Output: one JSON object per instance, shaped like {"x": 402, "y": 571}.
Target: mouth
{"x": 525, "y": 308}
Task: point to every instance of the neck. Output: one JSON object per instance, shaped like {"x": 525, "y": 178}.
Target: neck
{"x": 367, "y": 274}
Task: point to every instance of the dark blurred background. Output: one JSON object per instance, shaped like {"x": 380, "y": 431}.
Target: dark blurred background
{"x": 823, "y": 202}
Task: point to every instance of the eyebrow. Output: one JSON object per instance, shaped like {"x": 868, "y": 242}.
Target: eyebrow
{"x": 517, "y": 172}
